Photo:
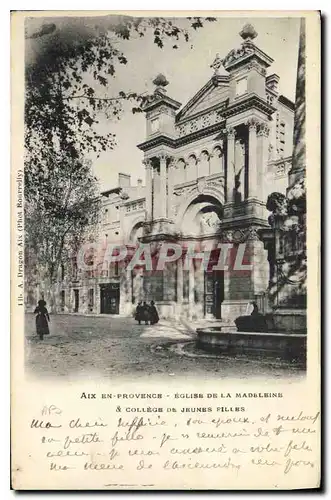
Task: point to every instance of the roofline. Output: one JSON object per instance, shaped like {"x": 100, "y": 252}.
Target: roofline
{"x": 116, "y": 190}
{"x": 214, "y": 80}
{"x": 287, "y": 102}
{"x": 174, "y": 143}
{"x": 250, "y": 101}
{"x": 163, "y": 100}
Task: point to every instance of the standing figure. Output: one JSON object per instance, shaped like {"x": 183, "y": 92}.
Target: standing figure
{"x": 42, "y": 319}
{"x": 139, "y": 313}
{"x": 153, "y": 313}
{"x": 146, "y": 313}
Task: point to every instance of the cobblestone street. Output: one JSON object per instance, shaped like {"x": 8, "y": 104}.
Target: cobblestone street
{"x": 112, "y": 346}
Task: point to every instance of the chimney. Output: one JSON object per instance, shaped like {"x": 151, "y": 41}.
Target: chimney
{"x": 272, "y": 82}
{"x": 124, "y": 180}
{"x": 140, "y": 182}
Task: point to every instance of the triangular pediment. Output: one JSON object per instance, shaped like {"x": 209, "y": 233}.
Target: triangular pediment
{"x": 213, "y": 93}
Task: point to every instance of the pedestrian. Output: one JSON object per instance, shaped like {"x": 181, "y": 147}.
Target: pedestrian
{"x": 146, "y": 312}
{"x": 42, "y": 319}
{"x": 139, "y": 313}
{"x": 153, "y": 313}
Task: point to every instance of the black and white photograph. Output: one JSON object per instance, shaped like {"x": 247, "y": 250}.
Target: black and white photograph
{"x": 164, "y": 197}
{"x": 165, "y": 244}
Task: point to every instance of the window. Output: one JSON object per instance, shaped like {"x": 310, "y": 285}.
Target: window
{"x": 281, "y": 137}
{"x": 155, "y": 125}
{"x": 114, "y": 270}
{"x": 241, "y": 87}
{"x": 91, "y": 299}
{"x": 63, "y": 300}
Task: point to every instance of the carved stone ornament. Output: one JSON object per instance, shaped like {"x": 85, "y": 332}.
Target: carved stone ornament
{"x": 263, "y": 130}
{"x": 270, "y": 151}
{"x": 252, "y": 234}
{"x": 194, "y": 125}
{"x": 201, "y": 185}
{"x": 210, "y": 220}
{"x": 252, "y": 123}
{"x": 147, "y": 163}
{"x": 216, "y": 65}
{"x": 236, "y": 54}
{"x": 183, "y": 191}
{"x": 277, "y": 204}
{"x": 230, "y": 132}
{"x": 248, "y": 32}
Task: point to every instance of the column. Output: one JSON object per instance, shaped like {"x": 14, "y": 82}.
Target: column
{"x": 171, "y": 177}
{"x": 156, "y": 205}
{"x": 163, "y": 186}
{"x": 252, "y": 159}
{"x": 191, "y": 289}
{"x": 179, "y": 281}
{"x": 199, "y": 289}
{"x": 262, "y": 146}
{"x": 231, "y": 170}
{"x": 149, "y": 187}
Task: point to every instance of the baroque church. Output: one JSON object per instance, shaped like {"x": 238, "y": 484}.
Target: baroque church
{"x": 210, "y": 166}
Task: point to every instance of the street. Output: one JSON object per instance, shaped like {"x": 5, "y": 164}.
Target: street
{"x": 112, "y": 346}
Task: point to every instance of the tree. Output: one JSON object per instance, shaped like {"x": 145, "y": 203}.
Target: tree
{"x": 67, "y": 88}
{"x": 58, "y": 218}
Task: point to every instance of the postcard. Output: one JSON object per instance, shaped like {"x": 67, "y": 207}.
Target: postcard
{"x": 165, "y": 250}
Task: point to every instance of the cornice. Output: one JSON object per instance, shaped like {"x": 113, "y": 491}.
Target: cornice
{"x": 164, "y": 140}
{"x": 251, "y": 101}
{"x": 165, "y": 101}
{"x": 286, "y": 102}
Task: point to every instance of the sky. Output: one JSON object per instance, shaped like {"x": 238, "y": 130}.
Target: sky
{"x": 187, "y": 70}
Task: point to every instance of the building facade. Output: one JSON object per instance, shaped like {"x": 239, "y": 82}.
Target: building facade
{"x": 210, "y": 166}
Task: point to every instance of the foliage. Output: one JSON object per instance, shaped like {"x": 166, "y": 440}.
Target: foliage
{"x": 67, "y": 89}
{"x": 62, "y": 107}
{"x": 56, "y": 220}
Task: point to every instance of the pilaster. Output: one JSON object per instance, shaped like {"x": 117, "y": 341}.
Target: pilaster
{"x": 230, "y": 170}
{"x": 149, "y": 189}
{"x": 262, "y": 147}
{"x": 163, "y": 186}
{"x": 252, "y": 159}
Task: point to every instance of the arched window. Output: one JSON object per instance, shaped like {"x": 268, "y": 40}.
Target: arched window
{"x": 181, "y": 171}
{"x": 217, "y": 161}
{"x": 203, "y": 164}
{"x": 191, "y": 168}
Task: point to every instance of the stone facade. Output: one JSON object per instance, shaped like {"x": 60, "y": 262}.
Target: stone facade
{"x": 210, "y": 166}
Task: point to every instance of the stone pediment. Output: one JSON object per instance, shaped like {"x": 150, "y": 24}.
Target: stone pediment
{"x": 214, "y": 93}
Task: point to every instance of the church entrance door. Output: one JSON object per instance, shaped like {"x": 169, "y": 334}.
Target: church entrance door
{"x": 110, "y": 298}
{"x": 214, "y": 293}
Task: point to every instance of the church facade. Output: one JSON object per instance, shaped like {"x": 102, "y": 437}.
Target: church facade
{"x": 210, "y": 166}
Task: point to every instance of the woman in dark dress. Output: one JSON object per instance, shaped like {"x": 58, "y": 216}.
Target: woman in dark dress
{"x": 146, "y": 313}
{"x": 139, "y": 313}
{"x": 153, "y": 313}
{"x": 42, "y": 319}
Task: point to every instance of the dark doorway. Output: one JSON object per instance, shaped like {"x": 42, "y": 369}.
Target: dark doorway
{"x": 76, "y": 305}
{"x": 63, "y": 300}
{"x": 110, "y": 298}
{"x": 214, "y": 293}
